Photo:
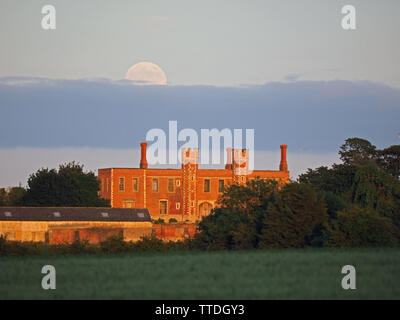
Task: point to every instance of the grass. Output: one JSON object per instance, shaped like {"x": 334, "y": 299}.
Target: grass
{"x": 269, "y": 274}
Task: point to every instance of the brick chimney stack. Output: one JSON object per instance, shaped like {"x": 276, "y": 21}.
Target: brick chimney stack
{"x": 228, "y": 164}
{"x": 283, "y": 165}
{"x": 143, "y": 160}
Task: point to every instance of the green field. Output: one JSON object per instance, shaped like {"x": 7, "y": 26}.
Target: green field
{"x": 273, "y": 274}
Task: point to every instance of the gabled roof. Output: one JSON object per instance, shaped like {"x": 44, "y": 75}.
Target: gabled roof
{"x": 73, "y": 214}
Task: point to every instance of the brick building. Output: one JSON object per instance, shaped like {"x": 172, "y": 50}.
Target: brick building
{"x": 64, "y": 225}
{"x": 185, "y": 194}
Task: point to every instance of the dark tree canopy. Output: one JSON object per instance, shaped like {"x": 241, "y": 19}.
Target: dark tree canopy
{"x": 360, "y": 227}
{"x": 357, "y": 151}
{"x": 238, "y": 222}
{"x": 12, "y": 196}
{"x": 337, "y": 179}
{"x": 294, "y": 219}
{"x": 355, "y": 203}
{"x": 260, "y": 215}
{"x": 68, "y": 186}
{"x": 389, "y": 160}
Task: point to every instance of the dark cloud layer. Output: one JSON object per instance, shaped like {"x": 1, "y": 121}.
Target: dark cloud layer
{"x": 316, "y": 116}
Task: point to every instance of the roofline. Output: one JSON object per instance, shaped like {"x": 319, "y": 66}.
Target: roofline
{"x": 63, "y": 207}
{"x": 221, "y": 169}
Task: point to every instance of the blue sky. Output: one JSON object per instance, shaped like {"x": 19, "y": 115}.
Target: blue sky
{"x": 223, "y": 43}
{"x": 283, "y": 68}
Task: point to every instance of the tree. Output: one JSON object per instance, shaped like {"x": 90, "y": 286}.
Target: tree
{"x": 69, "y": 186}
{"x": 389, "y": 160}
{"x": 16, "y": 196}
{"x": 337, "y": 180}
{"x": 237, "y": 222}
{"x": 3, "y": 197}
{"x": 357, "y": 151}
{"x": 376, "y": 189}
{"x": 372, "y": 186}
{"x": 12, "y": 196}
{"x": 356, "y": 203}
{"x": 294, "y": 218}
{"x": 360, "y": 227}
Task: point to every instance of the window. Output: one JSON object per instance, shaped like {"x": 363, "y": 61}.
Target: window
{"x": 206, "y": 185}
{"x": 178, "y": 183}
{"x": 128, "y": 203}
{"x": 135, "y": 185}
{"x": 178, "y": 205}
{"x": 192, "y": 203}
{"x": 121, "y": 186}
{"x": 221, "y": 186}
{"x": 155, "y": 185}
{"x": 170, "y": 185}
{"x": 163, "y": 207}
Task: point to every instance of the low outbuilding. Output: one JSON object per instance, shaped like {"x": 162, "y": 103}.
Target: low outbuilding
{"x": 66, "y": 224}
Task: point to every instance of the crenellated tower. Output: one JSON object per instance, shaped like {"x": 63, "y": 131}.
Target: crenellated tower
{"x": 190, "y": 158}
{"x": 240, "y": 165}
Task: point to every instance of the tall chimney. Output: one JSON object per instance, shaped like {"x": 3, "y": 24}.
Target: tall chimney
{"x": 283, "y": 165}
{"x": 143, "y": 160}
{"x": 228, "y": 164}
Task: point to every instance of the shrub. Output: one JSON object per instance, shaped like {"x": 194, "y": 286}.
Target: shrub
{"x": 237, "y": 223}
{"x": 173, "y": 220}
{"x": 159, "y": 221}
{"x": 360, "y": 227}
{"x": 294, "y": 218}
{"x": 115, "y": 244}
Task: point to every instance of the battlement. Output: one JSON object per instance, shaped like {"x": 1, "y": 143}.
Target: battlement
{"x": 190, "y": 156}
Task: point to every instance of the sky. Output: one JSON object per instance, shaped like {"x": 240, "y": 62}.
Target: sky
{"x": 222, "y": 43}
{"x": 286, "y": 69}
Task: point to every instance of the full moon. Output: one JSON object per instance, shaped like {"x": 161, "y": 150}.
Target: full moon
{"x": 146, "y": 73}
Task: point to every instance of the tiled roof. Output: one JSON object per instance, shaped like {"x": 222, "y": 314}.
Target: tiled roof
{"x": 72, "y": 214}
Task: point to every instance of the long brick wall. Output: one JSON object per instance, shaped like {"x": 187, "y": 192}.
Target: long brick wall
{"x": 174, "y": 232}
{"x": 68, "y": 231}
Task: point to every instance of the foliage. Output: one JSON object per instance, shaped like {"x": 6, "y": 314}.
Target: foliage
{"x": 357, "y": 151}
{"x": 294, "y": 218}
{"x": 360, "y": 227}
{"x": 172, "y": 220}
{"x": 363, "y": 191}
{"x": 389, "y": 160}
{"x": 372, "y": 187}
{"x": 12, "y": 196}
{"x": 159, "y": 221}
{"x": 18, "y": 248}
{"x": 237, "y": 223}
{"x": 111, "y": 245}
{"x": 70, "y": 186}
{"x": 337, "y": 180}
{"x": 3, "y": 197}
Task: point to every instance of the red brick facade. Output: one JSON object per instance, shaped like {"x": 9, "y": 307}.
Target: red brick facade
{"x": 185, "y": 194}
